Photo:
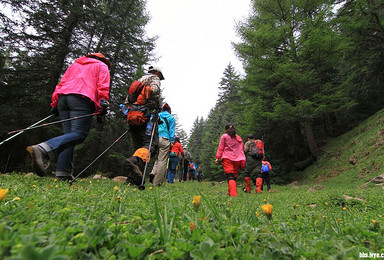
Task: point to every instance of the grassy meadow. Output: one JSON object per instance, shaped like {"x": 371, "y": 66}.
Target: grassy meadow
{"x": 333, "y": 212}
{"x": 44, "y": 219}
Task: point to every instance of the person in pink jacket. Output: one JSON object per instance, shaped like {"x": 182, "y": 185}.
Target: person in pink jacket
{"x": 83, "y": 89}
{"x": 231, "y": 154}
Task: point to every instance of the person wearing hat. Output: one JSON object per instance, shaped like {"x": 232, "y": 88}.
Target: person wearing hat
{"x": 135, "y": 164}
{"x": 167, "y": 129}
{"x": 83, "y": 89}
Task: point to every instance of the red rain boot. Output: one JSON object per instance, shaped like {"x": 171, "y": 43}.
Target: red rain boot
{"x": 259, "y": 184}
{"x": 232, "y": 189}
{"x": 247, "y": 184}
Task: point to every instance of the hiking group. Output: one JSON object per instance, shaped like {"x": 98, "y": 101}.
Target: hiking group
{"x": 235, "y": 156}
{"x": 84, "y": 91}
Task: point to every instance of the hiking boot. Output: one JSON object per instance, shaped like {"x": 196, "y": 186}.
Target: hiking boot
{"x": 40, "y": 159}
{"x": 151, "y": 177}
{"x": 134, "y": 174}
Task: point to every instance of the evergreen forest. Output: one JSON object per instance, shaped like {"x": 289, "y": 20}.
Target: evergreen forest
{"x": 313, "y": 70}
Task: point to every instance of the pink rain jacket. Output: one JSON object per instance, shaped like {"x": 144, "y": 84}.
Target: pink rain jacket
{"x": 87, "y": 77}
{"x": 231, "y": 148}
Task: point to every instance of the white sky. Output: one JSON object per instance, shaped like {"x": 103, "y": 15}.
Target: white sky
{"x": 194, "y": 48}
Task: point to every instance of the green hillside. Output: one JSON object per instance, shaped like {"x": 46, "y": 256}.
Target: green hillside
{"x": 352, "y": 158}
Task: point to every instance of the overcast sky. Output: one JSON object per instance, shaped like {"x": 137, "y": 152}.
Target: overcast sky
{"x": 194, "y": 48}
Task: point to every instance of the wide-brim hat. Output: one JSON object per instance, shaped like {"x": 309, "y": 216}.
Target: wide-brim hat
{"x": 156, "y": 69}
{"x": 99, "y": 56}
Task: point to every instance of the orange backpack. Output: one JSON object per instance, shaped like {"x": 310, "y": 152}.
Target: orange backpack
{"x": 138, "y": 94}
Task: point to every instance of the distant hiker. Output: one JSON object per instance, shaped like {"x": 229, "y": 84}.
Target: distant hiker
{"x": 185, "y": 162}
{"x": 142, "y": 101}
{"x": 265, "y": 174}
{"x": 83, "y": 89}
{"x": 166, "y": 136}
{"x": 174, "y": 155}
{"x": 180, "y": 168}
{"x": 192, "y": 171}
{"x": 253, "y": 165}
{"x": 199, "y": 174}
{"x": 231, "y": 153}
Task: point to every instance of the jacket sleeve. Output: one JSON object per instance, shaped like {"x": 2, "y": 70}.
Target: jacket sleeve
{"x": 220, "y": 149}
{"x": 103, "y": 82}
{"x": 172, "y": 128}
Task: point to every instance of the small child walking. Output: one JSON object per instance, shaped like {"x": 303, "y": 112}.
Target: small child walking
{"x": 264, "y": 175}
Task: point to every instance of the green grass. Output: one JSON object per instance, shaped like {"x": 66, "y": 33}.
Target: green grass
{"x": 88, "y": 220}
{"x": 314, "y": 219}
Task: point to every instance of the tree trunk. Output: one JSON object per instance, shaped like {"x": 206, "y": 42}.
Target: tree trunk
{"x": 311, "y": 138}
{"x": 62, "y": 50}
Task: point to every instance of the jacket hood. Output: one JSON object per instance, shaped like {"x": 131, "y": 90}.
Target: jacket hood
{"x": 85, "y": 60}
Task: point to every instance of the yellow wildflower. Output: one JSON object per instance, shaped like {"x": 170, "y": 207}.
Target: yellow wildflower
{"x": 326, "y": 203}
{"x": 297, "y": 205}
{"x": 150, "y": 188}
{"x": 344, "y": 208}
{"x": 57, "y": 186}
{"x": 374, "y": 222}
{"x": 118, "y": 198}
{"x": 17, "y": 198}
{"x": 115, "y": 188}
{"x": 192, "y": 226}
{"x": 134, "y": 190}
{"x": 3, "y": 192}
{"x": 196, "y": 202}
{"x": 267, "y": 208}
{"x": 257, "y": 214}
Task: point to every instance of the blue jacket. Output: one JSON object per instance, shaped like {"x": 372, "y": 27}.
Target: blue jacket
{"x": 163, "y": 128}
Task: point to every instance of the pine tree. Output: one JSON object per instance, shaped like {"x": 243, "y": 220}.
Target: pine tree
{"x": 292, "y": 55}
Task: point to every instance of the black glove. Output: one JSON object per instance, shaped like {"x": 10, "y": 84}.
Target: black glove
{"x": 104, "y": 107}
{"x": 55, "y": 111}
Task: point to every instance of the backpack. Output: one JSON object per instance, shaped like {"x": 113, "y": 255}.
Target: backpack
{"x": 137, "y": 115}
{"x": 257, "y": 150}
{"x": 264, "y": 167}
{"x": 138, "y": 94}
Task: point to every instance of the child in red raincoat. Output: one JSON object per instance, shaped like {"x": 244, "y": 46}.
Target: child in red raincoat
{"x": 231, "y": 153}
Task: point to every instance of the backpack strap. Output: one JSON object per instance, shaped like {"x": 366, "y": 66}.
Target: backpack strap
{"x": 167, "y": 123}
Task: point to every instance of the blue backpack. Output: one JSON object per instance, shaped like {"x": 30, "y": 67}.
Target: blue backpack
{"x": 264, "y": 167}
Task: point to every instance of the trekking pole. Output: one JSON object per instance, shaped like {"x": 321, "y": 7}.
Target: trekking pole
{"x": 22, "y": 131}
{"x": 142, "y": 187}
{"x": 118, "y": 139}
{"x": 53, "y": 123}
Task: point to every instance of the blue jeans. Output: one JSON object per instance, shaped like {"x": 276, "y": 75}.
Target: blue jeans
{"x": 75, "y": 131}
{"x": 173, "y": 161}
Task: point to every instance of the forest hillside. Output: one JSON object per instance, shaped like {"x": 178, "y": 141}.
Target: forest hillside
{"x": 355, "y": 157}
